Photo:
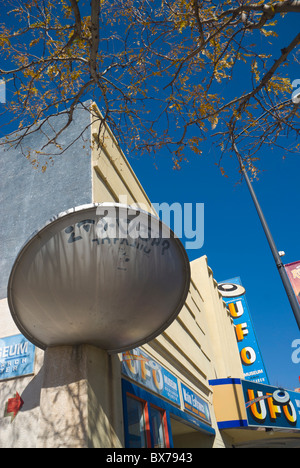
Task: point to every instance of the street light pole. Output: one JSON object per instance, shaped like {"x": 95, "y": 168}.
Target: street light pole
{"x": 284, "y": 277}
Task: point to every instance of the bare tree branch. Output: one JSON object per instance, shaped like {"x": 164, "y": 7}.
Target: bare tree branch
{"x": 157, "y": 70}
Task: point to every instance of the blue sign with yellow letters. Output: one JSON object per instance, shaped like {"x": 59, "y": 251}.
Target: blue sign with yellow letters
{"x": 273, "y": 407}
{"x": 234, "y": 296}
{"x": 140, "y": 367}
{"x": 16, "y": 357}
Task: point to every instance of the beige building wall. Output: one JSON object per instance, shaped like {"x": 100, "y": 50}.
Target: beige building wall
{"x": 112, "y": 176}
{"x": 200, "y": 344}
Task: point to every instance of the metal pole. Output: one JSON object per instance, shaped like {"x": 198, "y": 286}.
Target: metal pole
{"x": 284, "y": 277}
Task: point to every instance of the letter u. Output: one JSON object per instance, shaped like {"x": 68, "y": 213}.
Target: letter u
{"x": 258, "y": 409}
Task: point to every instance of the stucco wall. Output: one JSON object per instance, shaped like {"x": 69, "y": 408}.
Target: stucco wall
{"x": 29, "y": 197}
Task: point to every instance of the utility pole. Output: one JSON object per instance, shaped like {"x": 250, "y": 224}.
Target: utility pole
{"x": 282, "y": 271}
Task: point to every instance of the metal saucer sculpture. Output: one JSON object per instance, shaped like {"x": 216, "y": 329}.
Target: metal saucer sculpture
{"x": 101, "y": 274}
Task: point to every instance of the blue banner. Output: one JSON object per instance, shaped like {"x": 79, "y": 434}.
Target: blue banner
{"x": 16, "y": 357}
{"x": 194, "y": 404}
{"x": 272, "y": 407}
{"x": 252, "y": 362}
{"x": 140, "y": 367}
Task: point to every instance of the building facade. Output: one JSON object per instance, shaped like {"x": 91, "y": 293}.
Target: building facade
{"x": 178, "y": 390}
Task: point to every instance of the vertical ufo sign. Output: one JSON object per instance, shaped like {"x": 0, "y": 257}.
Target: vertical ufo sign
{"x": 234, "y": 296}
{"x": 100, "y": 274}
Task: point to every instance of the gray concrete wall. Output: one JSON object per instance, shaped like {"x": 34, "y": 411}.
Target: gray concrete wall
{"x": 29, "y": 197}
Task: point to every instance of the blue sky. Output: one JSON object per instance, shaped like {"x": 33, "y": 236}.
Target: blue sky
{"x": 234, "y": 241}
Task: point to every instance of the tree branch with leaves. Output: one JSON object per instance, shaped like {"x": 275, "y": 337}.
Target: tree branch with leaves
{"x": 156, "y": 69}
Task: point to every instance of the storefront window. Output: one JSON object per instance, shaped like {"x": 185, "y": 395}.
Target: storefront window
{"x": 137, "y": 423}
{"x": 158, "y": 427}
{"x": 146, "y": 422}
{"x": 152, "y": 422}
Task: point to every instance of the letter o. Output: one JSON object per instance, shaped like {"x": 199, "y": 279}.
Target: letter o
{"x": 281, "y": 397}
{"x": 248, "y": 356}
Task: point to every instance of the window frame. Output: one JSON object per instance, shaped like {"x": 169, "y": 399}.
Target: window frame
{"x": 146, "y": 417}
{"x": 147, "y": 403}
{"x": 163, "y": 413}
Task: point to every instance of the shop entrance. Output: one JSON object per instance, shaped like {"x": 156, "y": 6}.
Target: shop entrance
{"x": 185, "y": 436}
{"x": 151, "y": 422}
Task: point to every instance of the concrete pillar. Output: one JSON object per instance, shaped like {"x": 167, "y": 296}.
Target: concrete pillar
{"x": 81, "y": 399}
